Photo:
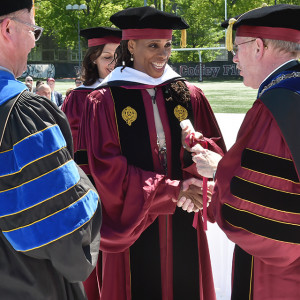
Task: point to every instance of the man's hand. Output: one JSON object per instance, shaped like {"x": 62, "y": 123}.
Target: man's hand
{"x": 206, "y": 160}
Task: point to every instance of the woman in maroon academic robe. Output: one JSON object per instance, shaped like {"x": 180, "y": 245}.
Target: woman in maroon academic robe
{"x": 130, "y": 142}
{"x": 97, "y": 64}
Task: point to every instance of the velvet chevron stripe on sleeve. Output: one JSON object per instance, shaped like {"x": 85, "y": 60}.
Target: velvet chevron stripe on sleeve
{"x": 269, "y": 164}
{"x": 265, "y": 196}
{"x": 42, "y": 195}
{"x": 61, "y": 223}
{"x": 31, "y": 148}
{"x": 259, "y": 225}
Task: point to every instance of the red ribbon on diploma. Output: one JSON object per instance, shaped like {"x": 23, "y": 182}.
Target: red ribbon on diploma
{"x": 191, "y": 141}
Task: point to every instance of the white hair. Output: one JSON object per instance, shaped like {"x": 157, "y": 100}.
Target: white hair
{"x": 285, "y": 46}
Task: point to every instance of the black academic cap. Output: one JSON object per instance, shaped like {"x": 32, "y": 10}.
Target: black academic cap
{"x": 101, "y": 35}
{"x": 10, "y": 6}
{"x": 225, "y": 23}
{"x": 278, "y": 22}
{"x": 148, "y": 23}
{"x": 281, "y": 15}
{"x": 147, "y": 17}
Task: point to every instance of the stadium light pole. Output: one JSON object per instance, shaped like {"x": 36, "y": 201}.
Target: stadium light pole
{"x": 225, "y": 16}
{"x": 78, "y": 8}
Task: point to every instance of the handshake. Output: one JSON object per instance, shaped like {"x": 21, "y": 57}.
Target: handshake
{"x": 190, "y": 197}
{"x": 191, "y": 194}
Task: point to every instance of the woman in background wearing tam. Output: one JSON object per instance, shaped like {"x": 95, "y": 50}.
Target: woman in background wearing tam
{"x": 96, "y": 65}
{"x": 131, "y": 133}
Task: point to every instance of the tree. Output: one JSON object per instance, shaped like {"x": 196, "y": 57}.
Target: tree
{"x": 203, "y": 19}
{"x": 203, "y": 16}
{"x": 62, "y": 24}
{"x": 237, "y": 7}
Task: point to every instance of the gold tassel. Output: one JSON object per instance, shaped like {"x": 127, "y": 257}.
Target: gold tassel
{"x": 229, "y": 44}
{"x": 183, "y": 39}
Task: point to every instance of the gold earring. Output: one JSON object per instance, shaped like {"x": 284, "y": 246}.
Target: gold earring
{"x": 131, "y": 58}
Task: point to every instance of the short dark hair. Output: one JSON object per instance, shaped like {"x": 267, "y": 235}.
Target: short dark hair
{"x": 38, "y": 82}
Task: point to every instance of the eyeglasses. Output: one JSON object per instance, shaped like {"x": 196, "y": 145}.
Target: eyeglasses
{"x": 37, "y": 30}
{"x": 235, "y": 49}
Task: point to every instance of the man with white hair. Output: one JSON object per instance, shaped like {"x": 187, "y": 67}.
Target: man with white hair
{"x": 256, "y": 199}
{"x": 50, "y": 213}
{"x": 44, "y": 90}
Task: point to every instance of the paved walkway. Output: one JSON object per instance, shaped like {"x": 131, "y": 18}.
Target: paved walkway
{"x": 229, "y": 124}
{"x": 220, "y": 247}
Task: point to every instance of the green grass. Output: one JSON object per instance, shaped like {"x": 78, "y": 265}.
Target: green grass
{"x": 228, "y": 96}
{"x": 224, "y": 96}
{"x": 63, "y": 84}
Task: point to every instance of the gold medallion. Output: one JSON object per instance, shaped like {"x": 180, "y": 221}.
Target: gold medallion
{"x": 180, "y": 113}
{"x": 129, "y": 115}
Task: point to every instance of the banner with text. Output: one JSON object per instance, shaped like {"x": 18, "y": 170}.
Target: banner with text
{"x": 211, "y": 70}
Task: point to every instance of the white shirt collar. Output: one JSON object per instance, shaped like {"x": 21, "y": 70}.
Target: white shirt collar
{"x": 93, "y": 86}
{"x": 135, "y": 77}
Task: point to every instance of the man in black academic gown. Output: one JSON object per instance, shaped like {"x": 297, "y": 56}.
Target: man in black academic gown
{"x": 50, "y": 213}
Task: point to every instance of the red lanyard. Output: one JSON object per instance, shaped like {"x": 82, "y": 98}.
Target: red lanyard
{"x": 192, "y": 141}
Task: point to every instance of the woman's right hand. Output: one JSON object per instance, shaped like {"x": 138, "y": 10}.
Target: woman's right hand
{"x": 190, "y": 197}
{"x": 193, "y": 134}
